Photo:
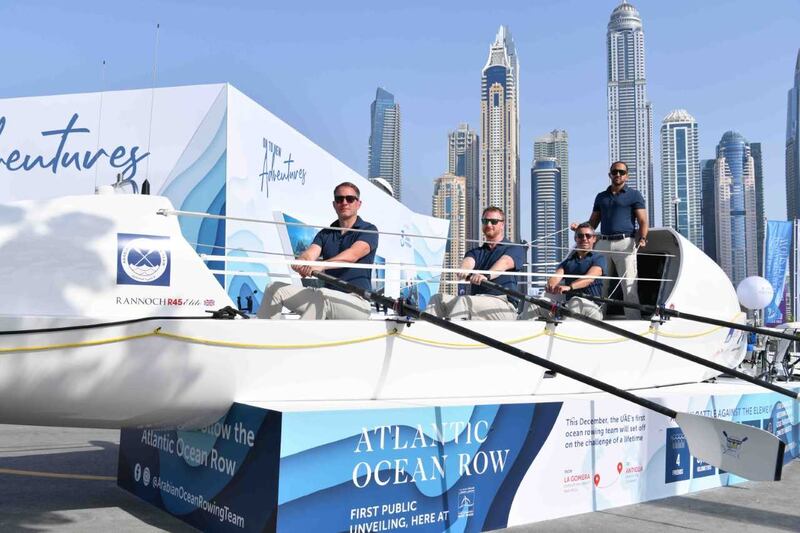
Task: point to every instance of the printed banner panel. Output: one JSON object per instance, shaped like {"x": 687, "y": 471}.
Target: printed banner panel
{"x": 432, "y": 469}
{"x": 777, "y": 248}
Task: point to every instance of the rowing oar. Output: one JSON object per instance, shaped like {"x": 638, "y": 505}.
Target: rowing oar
{"x": 746, "y": 451}
{"x": 547, "y": 304}
{"x": 664, "y": 311}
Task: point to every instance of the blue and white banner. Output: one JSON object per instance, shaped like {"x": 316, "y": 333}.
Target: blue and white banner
{"x": 777, "y": 247}
{"x": 431, "y": 469}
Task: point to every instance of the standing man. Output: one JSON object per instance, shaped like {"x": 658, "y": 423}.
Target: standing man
{"x": 497, "y": 255}
{"x": 336, "y": 244}
{"x": 580, "y": 266}
{"x": 619, "y": 210}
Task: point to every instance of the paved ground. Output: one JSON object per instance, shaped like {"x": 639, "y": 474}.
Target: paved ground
{"x": 63, "y": 479}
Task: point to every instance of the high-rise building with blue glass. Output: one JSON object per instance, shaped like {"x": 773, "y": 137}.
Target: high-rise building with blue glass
{"x": 546, "y": 211}
{"x": 384, "y": 140}
{"x": 500, "y": 182}
{"x": 709, "y": 211}
{"x": 736, "y": 224}
{"x": 758, "y": 173}
{"x": 464, "y": 159}
{"x": 793, "y": 146}
{"x": 556, "y": 144}
{"x": 681, "y": 187}
{"x": 630, "y": 115}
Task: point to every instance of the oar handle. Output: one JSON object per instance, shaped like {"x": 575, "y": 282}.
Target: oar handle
{"x": 644, "y": 340}
{"x": 403, "y": 308}
{"x": 697, "y": 318}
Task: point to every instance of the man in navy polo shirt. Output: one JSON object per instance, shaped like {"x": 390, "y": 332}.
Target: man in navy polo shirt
{"x": 568, "y": 279}
{"x": 337, "y": 245}
{"x": 618, "y": 211}
{"x": 497, "y": 255}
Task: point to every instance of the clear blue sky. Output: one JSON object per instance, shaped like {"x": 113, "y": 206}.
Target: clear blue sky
{"x": 317, "y": 65}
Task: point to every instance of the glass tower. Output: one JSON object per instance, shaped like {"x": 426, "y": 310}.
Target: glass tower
{"x": 384, "y": 140}
{"x": 450, "y": 202}
{"x": 681, "y": 187}
{"x": 500, "y": 131}
{"x": 630, "y": 115}
{"x": 736, "y": 225}
{"x": 556, "y": 144}
{"x": 709, "y": 208}
{"x": 793, "y": 146}
{"x": 463, "y": 159}
{"x": 546, "y": 212}
{"x": 758, "y": 172}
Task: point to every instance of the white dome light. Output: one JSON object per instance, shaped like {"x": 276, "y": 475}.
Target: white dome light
{"x": 754, "y": 292}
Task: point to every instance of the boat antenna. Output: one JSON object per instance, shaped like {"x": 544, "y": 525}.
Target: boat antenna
{"x": 152, "y": 100}
{"x": 100, "y": 116}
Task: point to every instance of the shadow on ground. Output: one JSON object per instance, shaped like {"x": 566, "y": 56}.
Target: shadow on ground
{"x": 29, "y": 503}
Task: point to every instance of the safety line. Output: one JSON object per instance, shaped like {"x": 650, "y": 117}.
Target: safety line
{"x": 259, "y": 346}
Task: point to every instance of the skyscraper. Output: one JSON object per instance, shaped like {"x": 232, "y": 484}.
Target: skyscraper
{"x": 463, "y": 159}
{"x": 384, "y": 140}
{"x": 736, "y": 226}
{"x": 546, "y": 211}
{"x": 758, "y": 168}
{"x": 630, "y": 115}
{"x": 450, "y": 202}
{"x": 793, "y": 146}
{"x": 500, "y": 131}
{"x": 709, "y": 208}
{"x": 681, "y": 187}
{"x": 555, "y": 144}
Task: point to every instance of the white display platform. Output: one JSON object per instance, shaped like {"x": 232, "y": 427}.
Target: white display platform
{"x": 458, "y": 465}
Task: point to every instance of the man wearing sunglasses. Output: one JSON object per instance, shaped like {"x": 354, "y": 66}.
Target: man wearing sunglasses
{"x": 620, "y": 212}
{"x": 331, "y": 244}
{"x": 496, "y": 255}
{"x": 568, "y": 283}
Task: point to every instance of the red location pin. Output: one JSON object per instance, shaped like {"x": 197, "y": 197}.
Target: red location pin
{"x": 619, "y": 468}
{"x": 596, "y": 479}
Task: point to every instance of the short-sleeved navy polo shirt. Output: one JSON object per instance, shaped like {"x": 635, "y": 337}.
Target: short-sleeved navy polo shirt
{"x": 485, "y": 257}
{"x": 617, "y": 210}
{"x": 334, "y": 242}
{"x": 574, "y": 265}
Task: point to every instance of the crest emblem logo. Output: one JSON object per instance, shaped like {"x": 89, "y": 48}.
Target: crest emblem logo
{"x": 732, "y": 446}
{"x": 466, "y": 502}
{"x": 143, "y": 260}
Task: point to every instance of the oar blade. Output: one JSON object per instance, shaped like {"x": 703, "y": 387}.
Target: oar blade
{"x": 746, "y": 451}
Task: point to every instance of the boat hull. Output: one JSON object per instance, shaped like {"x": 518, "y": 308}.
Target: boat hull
{"x": 187, "y": 373}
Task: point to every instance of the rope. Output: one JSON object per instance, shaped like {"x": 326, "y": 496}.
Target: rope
{"x": 410, "y": 338}
{"x": 257, "y": 346}
{"x": 66, "y": 345}
{"x": 431, "y": 342}
{"x": 228, "y": 344}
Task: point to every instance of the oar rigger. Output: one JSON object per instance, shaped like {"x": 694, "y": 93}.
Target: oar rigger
{"x": 743, "y": 450}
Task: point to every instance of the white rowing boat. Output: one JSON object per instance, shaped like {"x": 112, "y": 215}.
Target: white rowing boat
{"x": 69, "y": 262}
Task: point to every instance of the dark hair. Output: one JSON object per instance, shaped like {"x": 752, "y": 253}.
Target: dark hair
{"x": 584, "y": 225}
{"x": 619, "y": 163}
{"x": 347, "y": 184}
{"x": 493, "y": 208}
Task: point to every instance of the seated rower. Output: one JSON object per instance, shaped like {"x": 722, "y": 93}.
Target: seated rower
{"x": 582, "y": 261}
{"x": 338, "y": 245}
{"x": 497, "y": 255}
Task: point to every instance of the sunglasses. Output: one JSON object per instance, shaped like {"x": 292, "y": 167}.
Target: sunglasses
{"x": 492, "y": 221}
{"x": 618, "y": 172}
{"x": 348, "y": 198}
{"x": 584, "y": 236}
